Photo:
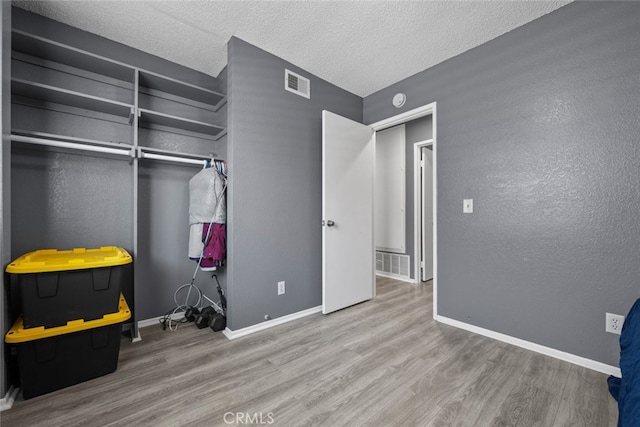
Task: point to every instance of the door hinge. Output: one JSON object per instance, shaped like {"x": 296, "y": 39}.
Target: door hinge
{"x": 422, "y": 163}
{"x": 421, "y": 264}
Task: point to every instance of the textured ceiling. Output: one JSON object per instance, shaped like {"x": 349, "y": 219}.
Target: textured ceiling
{"x": 361, "y": 46}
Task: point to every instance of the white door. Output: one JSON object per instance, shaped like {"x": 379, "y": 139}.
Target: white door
{"x": 427, "y": 212}
{"x": 347, "y": 212}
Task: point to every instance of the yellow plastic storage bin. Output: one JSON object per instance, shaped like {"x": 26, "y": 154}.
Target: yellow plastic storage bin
{"x": 56, "y": 286}
{"x": 47, "y": 260}
{"x": 53, "y": 358}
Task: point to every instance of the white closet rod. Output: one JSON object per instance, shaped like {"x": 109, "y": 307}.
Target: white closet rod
{"x": 144, "y": 155}
{"x": 71, "y": 145}
{"x": 107, "y": 150}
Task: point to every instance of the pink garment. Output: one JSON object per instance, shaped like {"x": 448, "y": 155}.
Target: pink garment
{"x": 215, "y": 248}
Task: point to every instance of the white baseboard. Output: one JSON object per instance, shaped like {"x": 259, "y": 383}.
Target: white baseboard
{"x": 7, "y": 401}
{"x": 270, "y": 323}
{"x": 392, "y": 276}
{"x": 156, "y": 320}
{"x": 548, "y": 351}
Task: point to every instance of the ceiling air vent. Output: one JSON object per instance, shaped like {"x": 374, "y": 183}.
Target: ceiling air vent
{"x": 297, "y": 84}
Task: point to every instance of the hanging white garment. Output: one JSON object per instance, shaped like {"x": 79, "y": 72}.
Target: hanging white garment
{"x": 195, "y": 241}
{"x": 207, "y": 205}
{"x": 206, "y": 200}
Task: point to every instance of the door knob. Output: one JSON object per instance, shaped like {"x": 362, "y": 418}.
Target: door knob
{"x": 330, "y": 223}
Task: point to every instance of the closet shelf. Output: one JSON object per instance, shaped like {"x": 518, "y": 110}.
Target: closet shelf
{"x": 153, "y": 117}
{"x": 58, "y": 95}
{"x": 50, "y": 50}
{"x": 161, "y": 83}
{"x": 43, "y": 48}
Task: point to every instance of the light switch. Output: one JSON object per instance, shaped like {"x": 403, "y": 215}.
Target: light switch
{"x": 467, "y": 206}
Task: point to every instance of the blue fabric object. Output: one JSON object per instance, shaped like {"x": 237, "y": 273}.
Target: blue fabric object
{"x": 629, "y": 393}
{"x": 614, "y": 386}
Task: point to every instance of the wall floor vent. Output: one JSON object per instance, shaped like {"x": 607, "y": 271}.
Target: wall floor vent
{"x": 297, "y": 84}
{"x": 393, "y": 265}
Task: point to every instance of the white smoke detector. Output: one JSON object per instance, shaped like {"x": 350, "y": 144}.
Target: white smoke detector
{"x": 399, "y": 99}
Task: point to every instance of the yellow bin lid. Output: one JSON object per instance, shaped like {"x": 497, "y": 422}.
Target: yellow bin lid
{"x": 47, "y": 260}
{"x": 18, "y": 333}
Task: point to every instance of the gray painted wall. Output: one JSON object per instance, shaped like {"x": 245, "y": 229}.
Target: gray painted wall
{"x": 418, "y": 130}
{"x": 5, "y": 176}
{"x": 540, "y": 127}
{"x": 275, "y": 198}
{"x": 65, "y": 200}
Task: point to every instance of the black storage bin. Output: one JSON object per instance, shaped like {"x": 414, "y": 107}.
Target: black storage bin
{"x": 54, "y": 358}
{"x": 58, "y": 286}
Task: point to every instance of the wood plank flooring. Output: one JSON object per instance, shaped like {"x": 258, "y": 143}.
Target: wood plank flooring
{"x": 381, "y": 363}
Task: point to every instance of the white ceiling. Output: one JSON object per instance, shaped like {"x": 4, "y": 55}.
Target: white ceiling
{"x": 361, "y": 46}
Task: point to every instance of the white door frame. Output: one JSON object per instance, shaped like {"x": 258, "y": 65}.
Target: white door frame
{"x": 425, "y": 110}
{"x": 417, "y": 205}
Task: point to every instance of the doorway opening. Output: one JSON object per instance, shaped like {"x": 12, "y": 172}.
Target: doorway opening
{"x": 424, "y": 235}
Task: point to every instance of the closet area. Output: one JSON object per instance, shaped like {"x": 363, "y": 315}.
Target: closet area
{"x": 105, "y": 139}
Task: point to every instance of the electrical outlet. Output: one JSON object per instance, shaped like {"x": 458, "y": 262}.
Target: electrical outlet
{"x": 281, "y": 288}
{"x": 614, "y": 323}
{"x": 467, "y": 206}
